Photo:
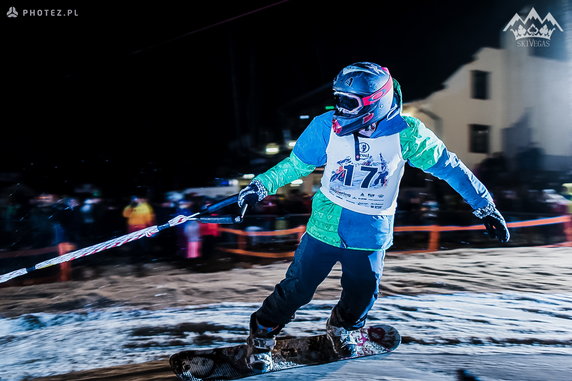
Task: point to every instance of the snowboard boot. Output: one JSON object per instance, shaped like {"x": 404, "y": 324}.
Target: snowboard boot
{"x": 260, "y": 343}
{"x": 342, "y": 340}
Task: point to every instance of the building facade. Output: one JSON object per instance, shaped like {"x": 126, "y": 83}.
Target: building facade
{"x": 507, "y": 101}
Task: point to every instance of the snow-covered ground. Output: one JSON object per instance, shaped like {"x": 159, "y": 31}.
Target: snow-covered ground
{"x": 500, "y": 313}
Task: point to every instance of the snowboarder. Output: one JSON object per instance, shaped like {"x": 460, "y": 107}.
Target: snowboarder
{"x": 363, "y": 144}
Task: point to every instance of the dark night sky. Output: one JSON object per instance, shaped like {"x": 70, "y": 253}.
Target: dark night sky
{"x": 125, "y": 94}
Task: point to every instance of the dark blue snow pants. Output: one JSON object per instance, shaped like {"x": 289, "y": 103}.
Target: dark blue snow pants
{"x": 313, "y": 261}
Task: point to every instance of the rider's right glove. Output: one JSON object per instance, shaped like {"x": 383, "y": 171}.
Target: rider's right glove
{"x": 252, "y": 193}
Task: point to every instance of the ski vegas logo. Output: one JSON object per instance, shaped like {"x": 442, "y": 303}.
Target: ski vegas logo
{"x": 533, "y": 31}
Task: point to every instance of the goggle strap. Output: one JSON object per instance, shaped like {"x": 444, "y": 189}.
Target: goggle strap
{"x": 378, "y": 94}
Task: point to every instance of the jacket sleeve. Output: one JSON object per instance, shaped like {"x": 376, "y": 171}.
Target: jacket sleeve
{"x": 311, "y": 146}
{"x": 284, "y": 172}
{"x": 424, "y": 150}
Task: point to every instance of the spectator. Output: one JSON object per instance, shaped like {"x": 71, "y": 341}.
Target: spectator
{"x": 193, "y": 235}
{"x": 92, "y": 211}
{"x": 209, "y": 236}
{"x": 139, "y": 214}
{"x": 42, "y": 221}
{"x": 188, "y": 235}
{"x": 9, "y": 216}
{"x": 70, "y": 218}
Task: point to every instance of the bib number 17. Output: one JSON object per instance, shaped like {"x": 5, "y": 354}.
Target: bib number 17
{"x": 370, "y": 172}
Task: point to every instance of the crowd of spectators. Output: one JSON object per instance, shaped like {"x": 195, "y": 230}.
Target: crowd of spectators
{"x": 46, "y": 219}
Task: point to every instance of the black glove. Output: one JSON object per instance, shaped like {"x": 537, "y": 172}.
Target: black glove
{"x": 494, "y": 222}
{"x": 252, "y": 193}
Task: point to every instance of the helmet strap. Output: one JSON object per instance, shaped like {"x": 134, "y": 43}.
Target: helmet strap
{"x": 368, "y": 131}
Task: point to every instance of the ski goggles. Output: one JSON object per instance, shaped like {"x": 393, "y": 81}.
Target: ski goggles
{"x": 351, "y": 104}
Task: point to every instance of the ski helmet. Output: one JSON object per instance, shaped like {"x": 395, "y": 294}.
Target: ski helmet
{"x": 363, "y": 93}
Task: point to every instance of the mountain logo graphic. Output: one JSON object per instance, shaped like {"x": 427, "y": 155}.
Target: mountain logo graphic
{"x": 12, "y": 12}
{"x": 533, "y": 26}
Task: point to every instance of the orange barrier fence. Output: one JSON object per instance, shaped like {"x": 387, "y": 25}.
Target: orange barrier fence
{"x": 242, "y": 235}
{"x": 433, "y": 230}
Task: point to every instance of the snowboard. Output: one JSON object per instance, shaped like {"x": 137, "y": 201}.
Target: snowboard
{"x": 228, "y": 363}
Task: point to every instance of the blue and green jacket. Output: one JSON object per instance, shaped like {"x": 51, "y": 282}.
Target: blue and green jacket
{"x": 341, "y": 227}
